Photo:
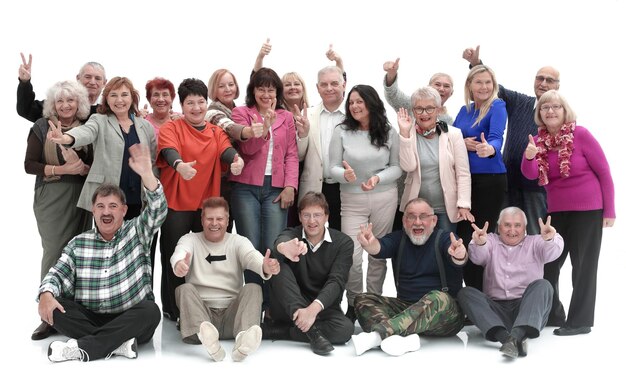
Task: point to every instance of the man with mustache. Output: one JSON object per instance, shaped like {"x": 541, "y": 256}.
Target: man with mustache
{"x": 427, "y": 264}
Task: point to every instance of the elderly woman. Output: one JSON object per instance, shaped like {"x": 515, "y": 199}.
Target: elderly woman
{"x": 160, "y": 94}
{"x": 192, "y": 152}
{"x": 364, "y": 160}
{"x": 482, "y": 121}
{"x": 60, "y": 176}
{"x": 570, "y": 164}
{"x": 435, "y": 159}
{"x": 112, "y": 132}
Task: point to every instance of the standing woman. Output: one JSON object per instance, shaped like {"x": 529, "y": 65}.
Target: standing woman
{"x": 112, "y": 132}
{"x": 482, "y": 123}
{"x": 160, "y": 94}
{"x": 266, "y": 188}
{"x": 60, "y": 176}
{"x": 435, "y": 159}
{"x": 570, "y": 164}
{"x": 364, "y": 159}
{"x": 191, "y": 154}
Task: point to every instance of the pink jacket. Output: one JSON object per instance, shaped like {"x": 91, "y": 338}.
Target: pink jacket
{"x": 453, "y": 169}
{"x": 254, "y": 151}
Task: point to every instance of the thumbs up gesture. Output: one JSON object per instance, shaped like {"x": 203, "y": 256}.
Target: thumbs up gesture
{"x": 182, "y": 266}
{"x": 186, "y": 170}
{"x": 483, "y": 149}
{"x": 270, "y": 266}
{"x": 237, "y": 166}
{"x": 531, "y": 149}
{"x": 348, "y": 173}
{"x": 144, "y": 112}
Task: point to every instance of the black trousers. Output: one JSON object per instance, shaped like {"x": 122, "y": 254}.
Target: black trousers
{"x": 582, "y": 234}
{"x": 333, "y": 197}
{"x": 99, "y": 334}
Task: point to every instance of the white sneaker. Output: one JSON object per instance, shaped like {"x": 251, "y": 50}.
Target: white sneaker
{"x": 63, "y": 351}
{"x": 210, "y": 339}
{"x": 246, "y": 342}
{"x": 365, "y": 341}
{"x": 127, "y": 349}
{"x": 397, "y": 345}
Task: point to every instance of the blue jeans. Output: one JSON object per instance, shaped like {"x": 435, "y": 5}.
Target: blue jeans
{"x": 257, "y": 217}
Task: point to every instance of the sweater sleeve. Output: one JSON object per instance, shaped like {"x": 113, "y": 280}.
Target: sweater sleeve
{"x": 597, "y": 161}
{"x": 27, "y": 107}
{"x": 392, "y": 172}
{"x": 395, "y": 97}
{"x": 336, "y": 155}
{"x": 338, "y": 274}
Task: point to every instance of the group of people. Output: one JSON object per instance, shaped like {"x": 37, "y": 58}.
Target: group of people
{"x": 309, "y": 190}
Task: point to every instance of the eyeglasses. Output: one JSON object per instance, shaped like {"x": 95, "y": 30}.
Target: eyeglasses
{"x": 541, "y": 78}
{"x": 420, "y": 110}
{"x": 546, "y": 108}
{"x": 411, "y": 218}
{"x": 316, "y": 216}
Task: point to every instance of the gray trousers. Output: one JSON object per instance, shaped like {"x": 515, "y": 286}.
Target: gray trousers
{"x": 242, "y": 313}
{"x": 530, "y": 311}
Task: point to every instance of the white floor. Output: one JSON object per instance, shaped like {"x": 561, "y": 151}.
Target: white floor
{"x": 468, "y": 351}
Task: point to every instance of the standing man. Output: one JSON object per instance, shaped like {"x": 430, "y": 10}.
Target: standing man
{"x": 99, "y": 292}
{"x": 427, "y": 267}
{"x": 522, "y": 192}
{"x": 515, "y": 302}
{"x": 214, "y": 303}
{"x": 305, "y": 296}
{"x": 91, "y": 75}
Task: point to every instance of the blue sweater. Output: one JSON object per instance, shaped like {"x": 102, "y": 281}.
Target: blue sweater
{"x": 492, "y": 125}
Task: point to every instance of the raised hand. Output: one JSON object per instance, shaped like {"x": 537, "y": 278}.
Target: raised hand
{"x": 391, "y": 68}
{"x": 266, "y": 48}
{"x": 56, "y": 135}
{"x": 292, "y": 249}
{"x": 144, "y": 112}
{"x": 182, "y": 266}
{"x": 457, "y": 249}
{"x": 237, "y": 166}
{"x": 365, "y": 236}
{"x": 302, "y": 122}
{"x": 140, "y": 160}
{"x": 472, "y": 55}
{"x": 269, "y": 118}
{"x": 405, "y": 123}
{"x": 270, "y": 266}
{"x": 547, "y": 230}
{"x": 370, "y": 184}
{"x": 531, "y": 150}
{"x": 24, "y": 72}
{"x": 332, "y": 55}
{"x": 483, "y": 149}
{"x": 186, "y": 170}
{"x": 348, "y": 172}
{"x": 480, "y": 235}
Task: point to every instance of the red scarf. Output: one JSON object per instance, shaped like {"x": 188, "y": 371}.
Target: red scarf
{"x": 562, "y": 142}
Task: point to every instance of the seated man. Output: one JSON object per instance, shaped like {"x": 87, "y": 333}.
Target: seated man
{"x": 214, "y": 303}
{"x": 305, "y": 297}
{"x": 427, "y": 267}
{"x": 99, "y": 293}
{"x": 516, "y": 300}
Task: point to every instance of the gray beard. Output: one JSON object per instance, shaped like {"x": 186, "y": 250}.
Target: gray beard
{"x": 417, "y": 241}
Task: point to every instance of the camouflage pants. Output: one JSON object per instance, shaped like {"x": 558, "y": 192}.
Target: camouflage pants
{"x": 436, "y": 314}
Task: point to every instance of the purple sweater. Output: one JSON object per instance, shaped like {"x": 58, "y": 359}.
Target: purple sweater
{"x": 589, "y": 186}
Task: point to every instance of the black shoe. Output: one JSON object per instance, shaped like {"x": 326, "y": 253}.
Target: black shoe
{"x": 351, "y": 314}
{"x": 522, "y": 348}
{"x": 510, "y": 348}
{"x": 43, "y": 331}
{"x": 319, "y": 344}
{"x": 569, "y": 330}
{"x": 274, "y": 331}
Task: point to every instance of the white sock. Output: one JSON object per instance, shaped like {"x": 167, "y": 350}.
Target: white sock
{"x": 365, "y": 341}
{"x": 397, "y": 345}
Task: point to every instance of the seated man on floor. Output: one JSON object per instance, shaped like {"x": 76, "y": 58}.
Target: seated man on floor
{"x": 99, "y": 292}
{"x": 427, "y": 267}
{"x": 214, "y": 303}
{"x": 305, "y": 296}
{"x": 515, "y": 302}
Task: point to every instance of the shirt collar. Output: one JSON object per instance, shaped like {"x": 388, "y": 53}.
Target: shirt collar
{"x": 314, "y": 248}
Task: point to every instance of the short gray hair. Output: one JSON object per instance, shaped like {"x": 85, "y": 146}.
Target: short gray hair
{"x": 331, "y": 69}
{"x": 512, "y": 210}
{"x": 426, "y": 93}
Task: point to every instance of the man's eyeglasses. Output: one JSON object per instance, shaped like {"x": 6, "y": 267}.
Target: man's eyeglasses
{"x": 420, "y": 110}
{"x": 546, "y": 108}
{"x": 541, "y": 78}
{"x": 411, "y": 218}
{"x": 316, "y": 216}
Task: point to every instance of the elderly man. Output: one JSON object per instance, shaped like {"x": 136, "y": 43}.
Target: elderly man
{"x": 314, "y": 264}
{"x": 91, "y": 75}
{"x": 427, "y": 265}
{"x": 516, "y": 300}
{"x": 214, "y": 303}
{"x": 99, "y": 292}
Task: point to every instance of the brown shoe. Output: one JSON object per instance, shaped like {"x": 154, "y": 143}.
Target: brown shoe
{"x": 43, "y": 331}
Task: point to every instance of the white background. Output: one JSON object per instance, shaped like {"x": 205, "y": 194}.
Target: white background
{"x": 180, "y": 39}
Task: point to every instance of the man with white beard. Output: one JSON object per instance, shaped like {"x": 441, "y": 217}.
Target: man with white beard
{"x": 427, "y": 267}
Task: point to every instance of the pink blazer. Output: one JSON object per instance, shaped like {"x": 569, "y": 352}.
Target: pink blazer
{"x": 254, "y": 151}
{"x": 453, "y": 169}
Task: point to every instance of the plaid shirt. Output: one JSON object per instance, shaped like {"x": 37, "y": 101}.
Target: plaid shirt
{"x": 110, "y": 276}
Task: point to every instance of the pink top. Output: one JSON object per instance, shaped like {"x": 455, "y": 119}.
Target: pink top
{"x": 254, "y": 151}
{"x": 589, "y": 186}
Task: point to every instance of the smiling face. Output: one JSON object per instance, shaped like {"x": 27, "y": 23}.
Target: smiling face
{"x": 313, "y": 219}
{"x": 108, "y": 212}
{"x": 547, "y": 78}
{"x": 194, "y": 109}
{"x": 93, "y": 79}
{"x": 481, "y": 87}
{"x": 552, "y": 115}
{"x": 419, "y": 222}
{"x": 331, "y": 89}
{"x": 214, "y": 223}
{"x": 358, "y": 109}
{"x": 120, "y": 101}
{"x": 293, "y": 90}
{"x": 443, "y": 85}
{"x": 512, "y": 229}
{"x": 161, "y": 101}
{"x": 429, "y": 111}
{"x": 264, "y": 97}
{"x": 66, "y": 108}
{"x": 227, "y": 90}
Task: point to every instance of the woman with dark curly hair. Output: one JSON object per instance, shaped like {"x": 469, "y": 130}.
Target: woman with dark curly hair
{"x": 364, "y": 158}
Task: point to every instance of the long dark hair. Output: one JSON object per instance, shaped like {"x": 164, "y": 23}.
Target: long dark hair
{"x": 265, "y": 77}
{"x": 379, "y": 126}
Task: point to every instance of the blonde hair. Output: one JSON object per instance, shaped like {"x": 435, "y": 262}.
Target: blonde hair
{"x": 304, "y": 101}
{"x": 484, "y": 108}
{"x": 553, "y": 95}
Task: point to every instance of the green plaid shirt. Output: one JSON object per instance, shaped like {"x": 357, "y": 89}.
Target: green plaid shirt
{"x": 110, "y": 276}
